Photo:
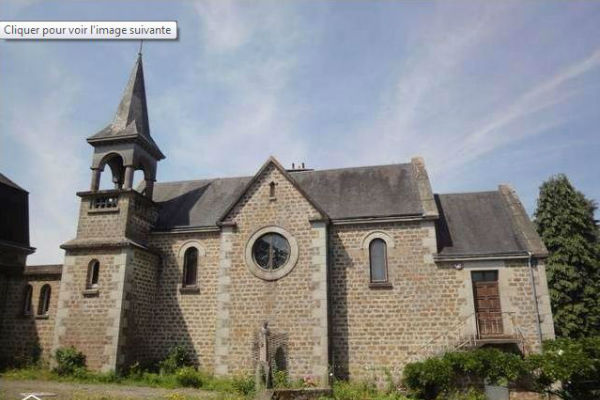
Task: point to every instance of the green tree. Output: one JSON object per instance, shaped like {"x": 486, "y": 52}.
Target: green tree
{"x": 565, "y": 220}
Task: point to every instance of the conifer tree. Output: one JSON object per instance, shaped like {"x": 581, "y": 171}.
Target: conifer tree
{"x": 565, "y": 221}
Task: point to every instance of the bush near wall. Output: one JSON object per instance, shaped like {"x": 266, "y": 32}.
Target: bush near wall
{"x": 574, "y": 363}
{"x": 69, "y": 361}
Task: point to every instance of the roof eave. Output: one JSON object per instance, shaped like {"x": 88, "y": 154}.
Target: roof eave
{"x": 383, "y": 218}
{"x": 487, "y": 256}
{"x": 140, "y": 139}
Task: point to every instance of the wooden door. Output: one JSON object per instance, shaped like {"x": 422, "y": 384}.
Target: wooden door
{"x": 487, "y": 303}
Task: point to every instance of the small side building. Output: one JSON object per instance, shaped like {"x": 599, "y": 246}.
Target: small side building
{"x": 27, "y": 303}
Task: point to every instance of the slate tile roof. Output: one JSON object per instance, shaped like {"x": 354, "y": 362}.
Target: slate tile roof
{"x": 469, "y": 224}
{"x": 377, "y": 191}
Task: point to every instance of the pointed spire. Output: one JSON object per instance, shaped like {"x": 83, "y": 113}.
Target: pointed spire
{"x": 133, "y": 108}
{"x": 131, "y": 118}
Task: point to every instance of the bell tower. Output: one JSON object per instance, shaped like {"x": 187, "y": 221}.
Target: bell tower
{"x": 110, "y": 273}
{"x": 125, "y": 145}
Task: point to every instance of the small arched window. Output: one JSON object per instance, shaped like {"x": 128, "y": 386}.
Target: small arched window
{"x": 27, "y": 294}
{"x": 93, "y": 274}
{"x": 44, "y": 303}
{"x": 378, "y": 260}
{"x": 190, "y": 267}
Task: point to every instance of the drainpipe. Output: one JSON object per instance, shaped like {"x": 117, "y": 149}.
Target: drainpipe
{"x": 535, "y": 300}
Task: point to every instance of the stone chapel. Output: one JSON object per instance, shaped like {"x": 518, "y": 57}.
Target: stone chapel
{"x": 353, "y": 269}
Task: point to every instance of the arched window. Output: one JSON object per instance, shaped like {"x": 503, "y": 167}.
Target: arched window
{"x": 27, "y": 294}
{"x": 93, "y": 274}
{"x": 378, "y": 260}
{"x": 190, "y": 267}
{"x": 44, "y": 303}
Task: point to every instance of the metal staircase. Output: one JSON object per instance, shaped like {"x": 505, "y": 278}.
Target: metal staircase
{"x": 465, "y": 335}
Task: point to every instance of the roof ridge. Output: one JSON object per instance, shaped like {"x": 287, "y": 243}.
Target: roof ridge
{"x": 201, "y": 179}
{"x": 474, "y": 192}
{"x": 345, "y": 168}
{"x": 293, "y": 172}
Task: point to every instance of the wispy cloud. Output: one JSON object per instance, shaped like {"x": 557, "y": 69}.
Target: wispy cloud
{"x": 48, "y": 136}
{"x": 436, "y": 109}
{"x": 248, "y": 61}
{"x": 539, "y": 98}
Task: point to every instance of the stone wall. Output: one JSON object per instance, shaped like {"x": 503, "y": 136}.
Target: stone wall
{"x": 139, "y": 307}
{"x": 294, "y": 305}
{"x": 90, "y": 320}
{"x": 425, "y": 306}
{"x": 102, "y": 223}
{"x": 23, "y": 336}
{"x": 517, "y": 297}
{"x": 378, "y": 327}
{"x": 142, "y": 215}
{"x": 182, "y": 317}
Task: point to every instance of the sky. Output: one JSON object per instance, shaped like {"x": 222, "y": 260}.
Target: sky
{"x": 486, "y": 92}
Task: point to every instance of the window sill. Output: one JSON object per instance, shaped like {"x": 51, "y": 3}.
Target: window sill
{"x": 91, "y": 292}
{"x": 381, "y": 285}
{"x": 272, "y": 198}
{"x": 189, "y": 289}
{"x": 45, "y": 316}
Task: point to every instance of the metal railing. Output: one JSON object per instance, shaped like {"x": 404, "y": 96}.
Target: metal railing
{"x": 467, "y": 333}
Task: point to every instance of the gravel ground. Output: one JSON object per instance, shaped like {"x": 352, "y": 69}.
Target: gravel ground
{"x": 17, "y": 390}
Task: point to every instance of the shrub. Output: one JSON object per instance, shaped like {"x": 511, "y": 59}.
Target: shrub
{"x": 280, "y": 379}
{"x": 361, "y": 391}
{"x": 188, "y": 377}
{"x": 428, "y": 378}
{"x": 69, "y": 361}
{"x": 244, "y": 385}
{"x": 575, "y": 363}
{"x": 177, "y": 358}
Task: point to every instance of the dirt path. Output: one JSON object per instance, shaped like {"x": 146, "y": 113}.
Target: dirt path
{"x": 17, "y": 390}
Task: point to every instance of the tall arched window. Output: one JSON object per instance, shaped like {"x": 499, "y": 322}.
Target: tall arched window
{"x": 190, "y": 267}
{"x": 378, "y": 260}
{"x": 93, "y": 274}
{"x": 44, "y": 303}
{"x": 27, "y": 294}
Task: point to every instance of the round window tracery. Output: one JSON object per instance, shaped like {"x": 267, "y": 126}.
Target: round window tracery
{"x": 271, "y": 251}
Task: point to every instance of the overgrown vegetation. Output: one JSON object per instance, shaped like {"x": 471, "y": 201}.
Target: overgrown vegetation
{"x": 565, "y": 221}
{"x": 174, "y": 371}
{"x": 575, "y": 363}
{"x": 177, "y": 358}
{"x": 454, "y": 376}
{"x": 69, "y": 361}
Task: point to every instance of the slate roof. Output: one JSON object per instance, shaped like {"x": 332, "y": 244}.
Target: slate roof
{"x": 196, "y": 203}
{"x": 480, "y": 224}
{"x": 131, "y": 119}
{"x": 8, "y": 182}
{"x": 376, "y": 191}
{"x": 477, "y": 224}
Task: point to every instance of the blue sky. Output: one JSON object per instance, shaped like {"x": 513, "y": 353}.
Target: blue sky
{"x": 507, "y": 92}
